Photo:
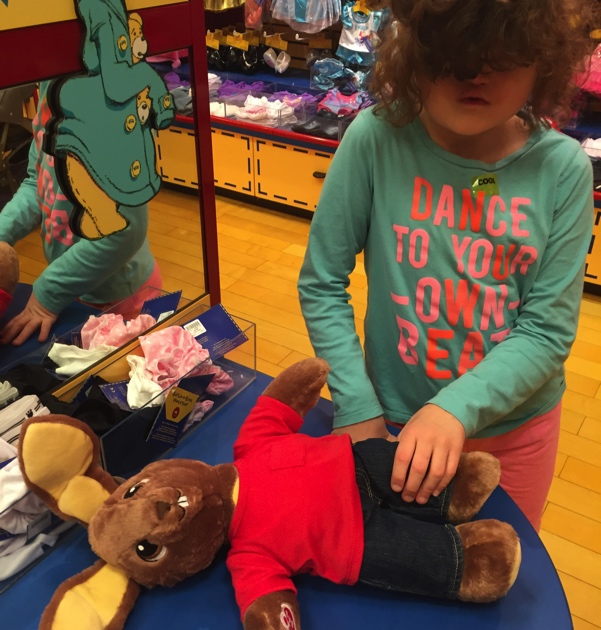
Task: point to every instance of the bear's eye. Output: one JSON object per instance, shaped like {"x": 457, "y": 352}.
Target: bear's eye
{"x": 130, "y": 493}
{"x": 149, "y": 552}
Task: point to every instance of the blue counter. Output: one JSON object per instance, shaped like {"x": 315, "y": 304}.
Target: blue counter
{"x": 206, "y": 601}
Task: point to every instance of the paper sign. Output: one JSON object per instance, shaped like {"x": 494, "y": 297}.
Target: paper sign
{"x": 82, "y": 394}
{"x": 252, "y": 38}
{"x": 276, "y": 41}
{"x": 220, "y": 35}
{"x": 179, "y": 404}
{"x": 216, "y": 331}
{"x": 237, "y": 41}
{"x": 76, "y": 338}
{"x": 117, "y": 394}
{"x": 6, "y": 462}
{"x": 195, "y": 328}
{"x": 158, "y": 306}
{"x": 164, "y": 315}
{"x": 212, "y": 41}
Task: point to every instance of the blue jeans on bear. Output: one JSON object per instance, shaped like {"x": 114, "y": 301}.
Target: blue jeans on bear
{"x": 409, "y": 547}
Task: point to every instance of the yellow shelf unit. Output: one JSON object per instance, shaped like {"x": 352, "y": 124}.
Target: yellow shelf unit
{"x": 592, "y": 271}
{"x": 261, "y": 166}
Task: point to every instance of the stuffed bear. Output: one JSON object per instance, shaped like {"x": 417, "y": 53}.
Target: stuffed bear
{"x": 288, "y": 504}
{"x": 9, "y": 275}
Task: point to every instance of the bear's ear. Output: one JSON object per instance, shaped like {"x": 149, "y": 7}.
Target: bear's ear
{"x": 60, "y": 462}
{"x": 99, "y": 598}
{"x": 137, "y": 18}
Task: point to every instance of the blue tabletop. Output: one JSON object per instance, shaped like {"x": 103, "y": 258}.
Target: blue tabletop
{"x": 206, "y": 601}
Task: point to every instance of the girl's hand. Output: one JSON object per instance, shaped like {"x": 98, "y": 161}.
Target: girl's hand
{"x": 21, "y": 327}
{"x": 428, "y": 454}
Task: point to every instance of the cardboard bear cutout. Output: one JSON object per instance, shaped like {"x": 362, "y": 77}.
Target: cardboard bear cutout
{"x": 101, "y": 130}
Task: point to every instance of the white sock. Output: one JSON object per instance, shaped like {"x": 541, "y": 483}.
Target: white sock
{"x": 72, "y": 359}
{"x": 141, "y": 389}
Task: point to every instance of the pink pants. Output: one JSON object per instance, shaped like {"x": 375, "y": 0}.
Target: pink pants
{"x": 130, "y": 307}
{"x": 527, "y": 455}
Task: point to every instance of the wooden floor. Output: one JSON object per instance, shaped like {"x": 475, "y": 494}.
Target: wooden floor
{"x": 260, "y": 255}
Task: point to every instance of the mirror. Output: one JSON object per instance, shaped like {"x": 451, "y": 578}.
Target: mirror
{"x": 170, "y": 237}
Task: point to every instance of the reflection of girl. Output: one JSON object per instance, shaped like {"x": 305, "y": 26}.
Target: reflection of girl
{"x": 99, "y": 272}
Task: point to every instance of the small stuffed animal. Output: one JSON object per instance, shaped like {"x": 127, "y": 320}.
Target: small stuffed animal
{"x": 288, "y": 504}
{"x": 9, "y": 275}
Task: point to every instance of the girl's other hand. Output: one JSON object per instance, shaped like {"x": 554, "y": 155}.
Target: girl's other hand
{"x": 426, "y": 459}
{"x": 33, "y": 317}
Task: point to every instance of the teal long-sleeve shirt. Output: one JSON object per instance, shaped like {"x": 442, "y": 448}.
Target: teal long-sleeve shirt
{"x": 475, "y": 275}
{"x": 101, "y": 271}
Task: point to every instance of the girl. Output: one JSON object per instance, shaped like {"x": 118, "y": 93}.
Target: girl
{"x": 475, "y": 219}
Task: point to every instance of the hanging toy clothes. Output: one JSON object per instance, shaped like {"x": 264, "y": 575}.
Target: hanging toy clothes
{"x": 222, "y": 5}
{"x": 253, "y": 12}
{"x": 101, "y": 131}
{"x": 307, "y": 16}
{"x": 358, "y": 30}
{"x": 590, "y": 80}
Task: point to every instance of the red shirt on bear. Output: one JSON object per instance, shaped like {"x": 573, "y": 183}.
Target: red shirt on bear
{"x": 298, "y": 508}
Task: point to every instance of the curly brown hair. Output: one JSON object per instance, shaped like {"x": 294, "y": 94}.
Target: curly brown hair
{"x": 441, "y": 37}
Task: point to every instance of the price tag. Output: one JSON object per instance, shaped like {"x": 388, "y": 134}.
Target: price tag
{"x": 252, "y": 38}
{"x": 237, "y": 41}
{"x": 212, "y": 41}
{"x": 195, "y": 328}
{"x": 164, "y": 315}
{"x": 276, "y": 41}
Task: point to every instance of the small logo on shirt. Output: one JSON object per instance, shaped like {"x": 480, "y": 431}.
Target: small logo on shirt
{"x": 486, "y": 183}
{"x": 287, "y": 617}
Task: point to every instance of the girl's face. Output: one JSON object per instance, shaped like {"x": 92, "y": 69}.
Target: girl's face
{"x": 476, "y": 106}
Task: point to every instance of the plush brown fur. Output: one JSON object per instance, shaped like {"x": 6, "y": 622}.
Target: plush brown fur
{"x": 491, "y": 559}
{"x": 300, "y": 385}
{"x": 191, "y": 531}
{"x": 94, "y": 470}
{"x": 9, "y": 268}
{"x": 275, "y": 610}
{"x": 477, "y": 475}
{"x": 117, "y": 623}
